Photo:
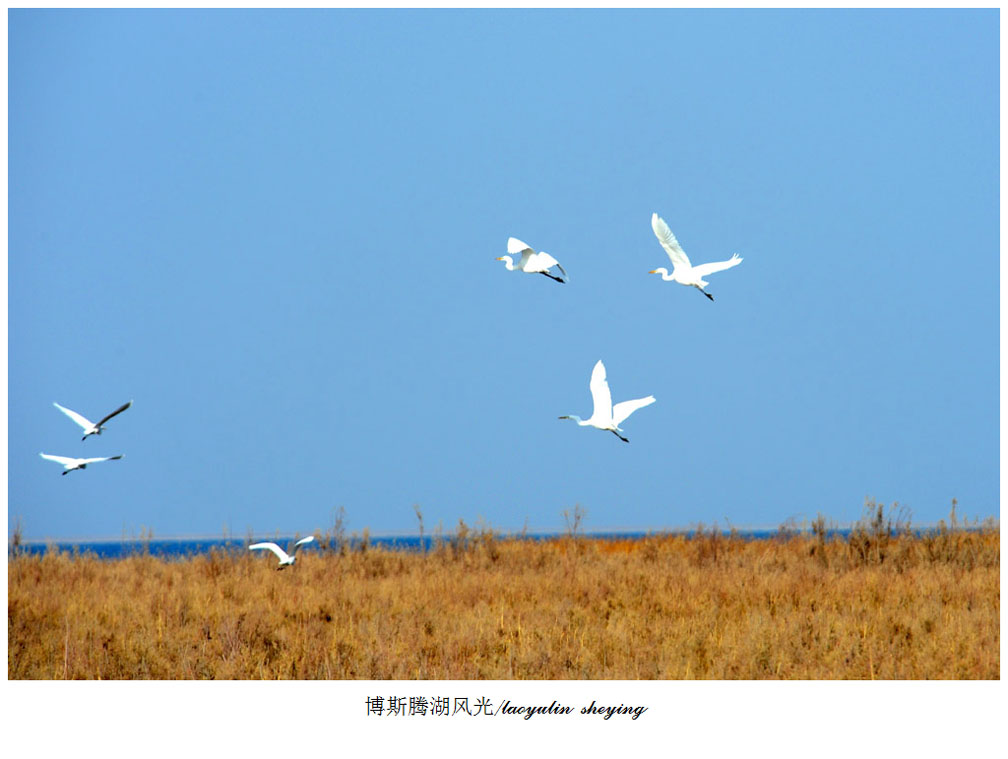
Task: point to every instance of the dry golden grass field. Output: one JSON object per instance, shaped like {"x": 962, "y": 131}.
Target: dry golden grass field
{"x": 877, "y": 604}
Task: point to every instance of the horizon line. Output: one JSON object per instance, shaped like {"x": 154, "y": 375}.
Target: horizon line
{"x": 804, "y": 526}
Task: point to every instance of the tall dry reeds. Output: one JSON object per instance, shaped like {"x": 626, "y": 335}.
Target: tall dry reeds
{"x": 880, "y": 603}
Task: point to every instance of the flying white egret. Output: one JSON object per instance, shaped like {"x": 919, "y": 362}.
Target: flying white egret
{"x": 285, "y": 559}
{"x": 683, "y": 271}
{"x": 90, "y": 428}
{"x": 530, "y": 261}
{"x": 69, "y": 464}
{"x": 606, "y": 416}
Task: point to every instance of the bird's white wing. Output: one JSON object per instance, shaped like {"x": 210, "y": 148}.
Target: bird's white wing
{"x": 705, "y": 269}
{"x": 104, "y": 458}
{"x": 64, "y": 460}
{"x": 544, "y": 262}
{"x": 301, "y": 542}
{"x": 117, "y": 411}
{"x": 622, "y": 410}
{"x": 82, "y": 421}
{"x": 516, "y": 246}
{"x": 675, "y": 252}
{"x": 601, "y": 399}
{"x": 280, "y": 553}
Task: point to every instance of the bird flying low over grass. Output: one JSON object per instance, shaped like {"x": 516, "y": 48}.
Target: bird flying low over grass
{"x": 69, "y": 464}
{"x": 530, "y": 261}
{"x": 89, "y": 427}
{"x": 285, "y": 559}
{"x": 683, "y": 271}
{"x": 606, "y": 416}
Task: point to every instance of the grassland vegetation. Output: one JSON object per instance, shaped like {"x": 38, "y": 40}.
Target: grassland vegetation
{"x": 879, "y": 602}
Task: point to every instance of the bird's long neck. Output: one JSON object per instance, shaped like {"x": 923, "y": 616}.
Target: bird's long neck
{"x": 664, "y": 274}
{"x": 508, "y": 263}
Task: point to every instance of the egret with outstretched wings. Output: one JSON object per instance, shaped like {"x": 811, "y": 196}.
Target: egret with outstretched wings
{"x": 89, "y": 427}
{"x": 683, "y": 271}
{"x": 606, "y": 416}
{"x": 286, "y": 559}
{"x": 69, "y": 464}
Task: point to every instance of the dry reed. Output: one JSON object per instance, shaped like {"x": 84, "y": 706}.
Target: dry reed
{"x": 880, "y": 603}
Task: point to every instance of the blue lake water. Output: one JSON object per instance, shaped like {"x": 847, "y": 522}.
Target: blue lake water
{"x": 177, "y": 548}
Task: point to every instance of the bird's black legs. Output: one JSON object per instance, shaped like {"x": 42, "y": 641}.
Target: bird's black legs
{"x": 707, "y": 294}
{"x": 619, "y": 436}
{"x": 547, "y": 274}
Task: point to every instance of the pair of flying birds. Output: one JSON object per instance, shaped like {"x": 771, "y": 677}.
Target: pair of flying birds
{"x": 683, "y": 271}
{"x": 90, "y": 428}
{"x": 605, "y": 415}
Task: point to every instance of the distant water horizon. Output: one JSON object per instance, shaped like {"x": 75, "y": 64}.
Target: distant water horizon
{"x": 183, "y": 547}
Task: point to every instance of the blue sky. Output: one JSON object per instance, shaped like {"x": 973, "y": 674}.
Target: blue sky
{"x": 276, "y": 233}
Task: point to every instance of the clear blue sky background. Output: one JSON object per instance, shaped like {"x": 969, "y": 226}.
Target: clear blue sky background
{"x": 276, "y": 232}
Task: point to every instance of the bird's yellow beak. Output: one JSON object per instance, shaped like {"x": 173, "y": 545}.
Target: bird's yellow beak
{"x": 500, "y": 258}
{"x": 653, "y": 271}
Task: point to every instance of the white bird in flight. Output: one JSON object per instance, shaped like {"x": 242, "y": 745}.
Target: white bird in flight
{"x": 69, "y": 464}
{"x": 285, "y": 559}
{"x": 683, "y": 271}
{"x": 530, "y": 261}
{"x": 606, "y": 416}
{"x": 89, "y": 427}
